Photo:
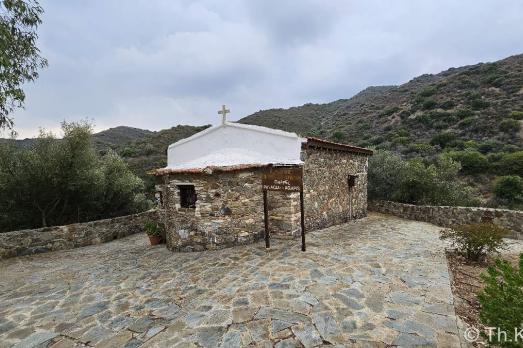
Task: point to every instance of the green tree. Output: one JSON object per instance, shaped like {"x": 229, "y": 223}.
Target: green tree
{"x": 20, "y": 59}
{"x": 60, "y": 181}
{"x": 392, "y": 178}
{"x": 509, "y": 188}
{"x": 472, "y": 162}
{"x": 384, "y": 176}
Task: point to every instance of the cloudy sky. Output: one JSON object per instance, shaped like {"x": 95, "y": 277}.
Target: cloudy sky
{"x": 158, "y": 63}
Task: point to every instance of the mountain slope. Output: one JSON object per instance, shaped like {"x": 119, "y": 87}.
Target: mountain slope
{"x": 479, "y": 102}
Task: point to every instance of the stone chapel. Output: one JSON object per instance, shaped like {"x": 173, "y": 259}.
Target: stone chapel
{"x": 210, "y": 193}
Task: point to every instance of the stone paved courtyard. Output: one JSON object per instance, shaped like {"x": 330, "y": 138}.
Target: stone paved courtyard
{"x": 375, "y": 282}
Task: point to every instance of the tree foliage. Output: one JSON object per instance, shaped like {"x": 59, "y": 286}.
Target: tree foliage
{"x": 415, "y": 182}
{"x": 19, "y": 57}
{"x": 509, "y": 190}
{"x": 60, "y": 181}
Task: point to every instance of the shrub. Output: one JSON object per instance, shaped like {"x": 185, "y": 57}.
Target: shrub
{"x": 509, "y": 125}
{"x": 488, "y": 146}
{"x": 428, "y": 91}
{"x": 509, "y": 188}
{"x": 442, "y": 139}
{"x": 428, "y": 104}
{"x": 467, "y": 121}
{"x": 512, "y": 163}
{"x": 422, "y": 148}
{"x": 502, "y": 301}
{"x": 472, "y": 162}
{"x": 384, "y": 176}
{"x": 464, "y": 113}
{"x": 392, "y": 178}
{"x": 516, "y": 115}
{"x": 389, "y": 111}
{"x": 338, "y": 136}
{"x": 401, "y": 140}
{"x": 475, "y": 241}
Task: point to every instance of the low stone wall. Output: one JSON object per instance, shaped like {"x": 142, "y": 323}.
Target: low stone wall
{"x": 41, "y": 240}
{"x": 451, "y": 216}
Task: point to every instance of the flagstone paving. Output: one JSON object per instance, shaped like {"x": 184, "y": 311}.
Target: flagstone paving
{"x": 375, "y": 282}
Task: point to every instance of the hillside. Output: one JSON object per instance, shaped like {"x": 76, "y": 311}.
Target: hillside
{"x": 481, "y": 102}
{"x": 473, "y": 113}
{"x": 142, "y": 149}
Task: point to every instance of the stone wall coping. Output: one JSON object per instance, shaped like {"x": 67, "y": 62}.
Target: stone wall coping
{"x": 45, "y": 239}
{"x": 77, "y": 224}
{"x": 448, "y": 206}
{"x": 448, "y": 216}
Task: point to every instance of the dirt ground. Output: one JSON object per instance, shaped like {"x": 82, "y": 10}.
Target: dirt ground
{"x": 466, "y": 282}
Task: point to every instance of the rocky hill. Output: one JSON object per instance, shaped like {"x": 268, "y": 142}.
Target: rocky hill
{"x": 482, "y": 102}
{"x": 474, "y": 110}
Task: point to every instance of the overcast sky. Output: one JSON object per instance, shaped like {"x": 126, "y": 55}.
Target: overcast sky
{"x": 157, "y": 63}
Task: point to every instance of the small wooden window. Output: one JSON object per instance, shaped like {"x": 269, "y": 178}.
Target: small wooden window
{"x": 187, "y": 196}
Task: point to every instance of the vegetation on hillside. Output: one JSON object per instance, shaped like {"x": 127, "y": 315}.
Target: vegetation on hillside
{"x": 61, "y": 181}
{"x": 472, "y": 114}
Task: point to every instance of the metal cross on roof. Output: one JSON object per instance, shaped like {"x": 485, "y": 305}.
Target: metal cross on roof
{"x": 224, "y": 111}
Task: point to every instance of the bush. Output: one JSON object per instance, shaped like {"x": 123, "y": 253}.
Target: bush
{"x": 338, "y": 136}
{"x": 502, "y": 301}
{"x": 464, "y": 113}
{"x": 509, "y": 125}
{"x": 516, "y": 115}
{"x": 472, "y": 162}
{"x": 384, "y": 176}
{"x": 442, "y": 139}
{"x": 509, "y": 188}
{"x": 392, "y": 178}
{"x": 428, "y": 91}
{"x": 511, "y": 163}
{"x": 488, "y": 146}
{"x": 467, "y": 121}
{"x": 475, "y": 241}
{"x": 428, "y": 104}
{"x": 389, "y": 111}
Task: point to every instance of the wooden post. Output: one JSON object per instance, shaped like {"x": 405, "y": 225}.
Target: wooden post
{"x": 266, "y": 219}
{"x": 302, "y": 221}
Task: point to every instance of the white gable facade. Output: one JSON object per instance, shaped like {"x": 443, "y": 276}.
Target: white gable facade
{"x": 232, "y": 144}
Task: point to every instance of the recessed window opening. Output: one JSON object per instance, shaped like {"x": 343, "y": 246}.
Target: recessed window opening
{"x": 187, "y": 196}
{"x": 351, "y": 180}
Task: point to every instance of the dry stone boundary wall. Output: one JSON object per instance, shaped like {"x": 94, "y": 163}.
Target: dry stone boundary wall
{"x": 450, "y": 216}
{"x": 41, "y": 240}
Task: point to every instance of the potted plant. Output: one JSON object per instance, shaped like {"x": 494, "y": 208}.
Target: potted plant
{"x": 154, "y": 231}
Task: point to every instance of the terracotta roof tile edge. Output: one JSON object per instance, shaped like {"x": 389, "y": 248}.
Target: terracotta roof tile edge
{"x": 337, "y": 146}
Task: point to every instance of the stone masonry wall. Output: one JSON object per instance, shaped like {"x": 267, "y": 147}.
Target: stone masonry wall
{"x": 326, "y": 189}
{"x": 229, "y": 205}
{"x": 451, "y": 216}
{"x": 229, "y": 210}
{"x": 41, "y": 240}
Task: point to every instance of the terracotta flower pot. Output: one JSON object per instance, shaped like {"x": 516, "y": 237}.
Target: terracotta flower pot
{"x": 155, "y": 240}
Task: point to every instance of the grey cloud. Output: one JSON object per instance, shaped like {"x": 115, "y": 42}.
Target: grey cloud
{"x": 157, "y": 63}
